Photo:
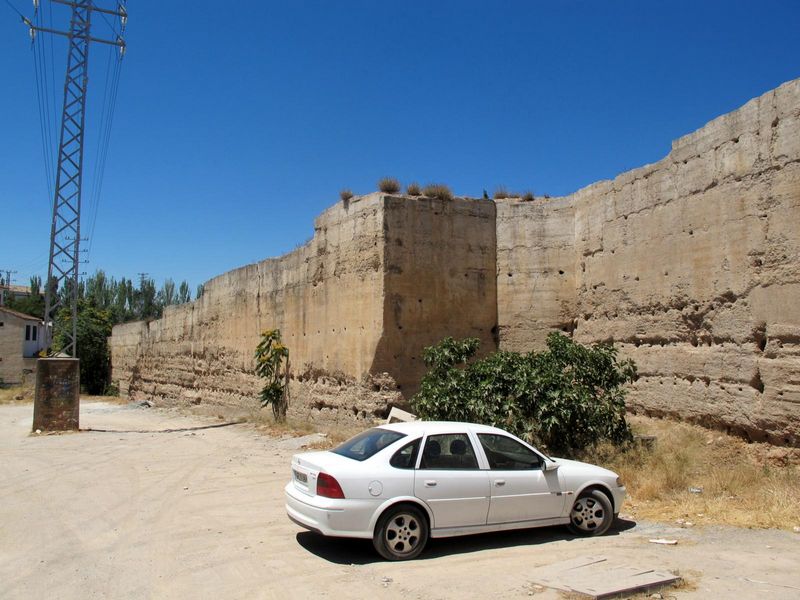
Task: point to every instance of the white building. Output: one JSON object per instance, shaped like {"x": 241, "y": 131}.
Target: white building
{"x": 21, "y": 339}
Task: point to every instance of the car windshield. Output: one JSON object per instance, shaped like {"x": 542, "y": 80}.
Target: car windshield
{"x": 368, "y": 443}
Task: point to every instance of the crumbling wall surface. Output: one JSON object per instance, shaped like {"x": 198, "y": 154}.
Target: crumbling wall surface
{"x": 440, "y": 281}
{"x": 535, "y": 271}
{"x": 692, "y": 266}
{"x": 326, "y": 297}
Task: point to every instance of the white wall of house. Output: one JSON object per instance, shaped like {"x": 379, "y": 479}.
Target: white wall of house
{"x": 18, "y": 354}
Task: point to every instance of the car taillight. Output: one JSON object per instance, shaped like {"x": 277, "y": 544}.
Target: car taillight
{"x": 328, "y": 486}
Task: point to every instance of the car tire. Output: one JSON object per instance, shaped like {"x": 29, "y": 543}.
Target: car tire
{"x": 401, "y": 533}
{"x": 592, "y": 514}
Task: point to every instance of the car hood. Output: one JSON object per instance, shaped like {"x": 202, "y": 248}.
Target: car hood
{"x": 575, "y": 467}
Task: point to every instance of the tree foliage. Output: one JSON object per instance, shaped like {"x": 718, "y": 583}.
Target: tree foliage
{"x": 102, "y": 303}
{"x": 563, "y": 399}
{"x": 93, "y": 329}
{"x": 270, "y": 356}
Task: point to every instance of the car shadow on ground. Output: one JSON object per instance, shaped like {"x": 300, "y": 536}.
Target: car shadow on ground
{"x": 345, "y": 551}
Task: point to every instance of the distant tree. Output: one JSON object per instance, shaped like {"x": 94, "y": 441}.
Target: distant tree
{"x": 166, "y": 295}
{"x": 200, "y": 291}
{"x": 184, "y": 293}
{"x": 32, "y": 304}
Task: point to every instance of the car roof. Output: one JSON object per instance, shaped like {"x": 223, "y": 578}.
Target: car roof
{"x": 432, "y": 427}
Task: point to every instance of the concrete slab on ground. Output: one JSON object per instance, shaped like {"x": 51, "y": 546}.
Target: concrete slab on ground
{"x": 598, "y": 577}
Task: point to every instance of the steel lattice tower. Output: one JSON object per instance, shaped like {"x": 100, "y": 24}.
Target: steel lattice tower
{"x": 65, "y": 232}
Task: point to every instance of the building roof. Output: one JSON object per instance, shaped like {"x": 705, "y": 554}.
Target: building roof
{"x": 19, "y": 315}
{"x": 19, "y": 289}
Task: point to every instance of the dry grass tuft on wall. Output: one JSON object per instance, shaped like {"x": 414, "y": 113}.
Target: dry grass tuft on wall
{"x": 437, "y": 190}
{"x": 345, "y": 195}
{"x": 413, "y": 189}
{"x": 389, "y": 185}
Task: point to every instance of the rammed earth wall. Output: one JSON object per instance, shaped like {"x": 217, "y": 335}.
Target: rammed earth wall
{"x": 690, "y": 265}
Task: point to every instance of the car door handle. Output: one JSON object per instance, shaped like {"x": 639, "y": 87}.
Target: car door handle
{"x": 500, "y": 482}
{"x": 430, "y": 483}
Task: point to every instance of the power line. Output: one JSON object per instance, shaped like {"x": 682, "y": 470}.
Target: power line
{"x": 65, "y": 232}
{"x": 14, "y": 8}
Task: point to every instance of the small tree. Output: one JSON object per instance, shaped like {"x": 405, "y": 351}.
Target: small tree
{"x": 270, "y": 355}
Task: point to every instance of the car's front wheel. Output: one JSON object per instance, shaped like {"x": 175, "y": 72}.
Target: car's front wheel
{"x": 401, "y": 533}
{"x": 591, "y": 514}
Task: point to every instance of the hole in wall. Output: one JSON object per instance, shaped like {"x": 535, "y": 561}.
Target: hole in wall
{"x": 775, "y": 122}
{"x": 560, "y": 272}
{"x": 756, "y": 382}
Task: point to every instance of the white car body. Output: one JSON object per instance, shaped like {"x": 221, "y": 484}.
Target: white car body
{"x": 456, "y": 501}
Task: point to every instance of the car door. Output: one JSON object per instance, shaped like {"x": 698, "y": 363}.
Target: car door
{"x": 521, "y": 490}
{"x": 450, "y": 481}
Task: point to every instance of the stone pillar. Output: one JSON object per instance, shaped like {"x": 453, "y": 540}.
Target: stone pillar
{"x": 57, "y": 401}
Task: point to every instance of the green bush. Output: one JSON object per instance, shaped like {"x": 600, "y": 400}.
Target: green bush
{"x": 563, "y": 399}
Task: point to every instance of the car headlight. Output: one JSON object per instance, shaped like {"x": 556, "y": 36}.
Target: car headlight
{"x": 619, "y": 482}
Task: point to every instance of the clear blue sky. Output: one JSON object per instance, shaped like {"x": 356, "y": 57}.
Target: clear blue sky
{"x": 238, "y": 122}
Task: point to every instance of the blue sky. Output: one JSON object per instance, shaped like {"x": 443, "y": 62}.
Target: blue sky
{"x": 237, "y": 123}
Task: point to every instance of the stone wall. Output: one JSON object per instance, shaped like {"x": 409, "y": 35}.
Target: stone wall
{"x": 345, "y": 308}
{"x": 690, "y": 265}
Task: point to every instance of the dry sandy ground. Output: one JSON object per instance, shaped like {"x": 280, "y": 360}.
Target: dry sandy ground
{"x": 199, "y": 513}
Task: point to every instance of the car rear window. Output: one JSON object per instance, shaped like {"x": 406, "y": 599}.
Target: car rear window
{"x": 368, "y": 443}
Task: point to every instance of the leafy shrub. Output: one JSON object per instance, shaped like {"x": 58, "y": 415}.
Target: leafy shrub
{"x": 563, "y": 399}
{"x": 437, "y": 190}
{"x": 389, "y": 185}
{"x": 345, "y": 195}
{"x": 528, "y": 196}
{"x": 413, "y": 189}
{"x": 270, "y": 355}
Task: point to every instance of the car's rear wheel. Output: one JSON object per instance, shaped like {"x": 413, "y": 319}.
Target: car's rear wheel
{"x": 401, "y": 533}
{"x": 591, "y": 514}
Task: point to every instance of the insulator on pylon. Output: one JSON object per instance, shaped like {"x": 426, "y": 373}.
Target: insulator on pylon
{"x": 121, "y": 47}
{"x": 32, "y": 33}
{"x": 35, "y": 5}
{"x": 123, "y": 16}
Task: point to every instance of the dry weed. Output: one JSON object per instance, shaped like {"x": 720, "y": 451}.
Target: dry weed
{"x": 696, "y": 475}
{"x": 17, "y": 394}
{"x": 389, "y": 185}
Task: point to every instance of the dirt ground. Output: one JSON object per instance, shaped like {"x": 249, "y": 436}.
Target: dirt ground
{"x": 160, "y": 505}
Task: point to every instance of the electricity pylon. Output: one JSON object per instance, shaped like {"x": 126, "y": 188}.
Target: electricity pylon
{"x": 65, "y": 231}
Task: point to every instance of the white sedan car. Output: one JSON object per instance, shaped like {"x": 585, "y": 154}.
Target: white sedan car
{"x": 401, "y": 483}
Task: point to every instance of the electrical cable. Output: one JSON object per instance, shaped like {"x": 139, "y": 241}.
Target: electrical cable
{"x": 14, "y": 8}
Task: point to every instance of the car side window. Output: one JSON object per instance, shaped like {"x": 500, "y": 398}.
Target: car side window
{"x": 448, "y": 451}
{"x": 406, "y": 457}
{"x": 505, "y": 454}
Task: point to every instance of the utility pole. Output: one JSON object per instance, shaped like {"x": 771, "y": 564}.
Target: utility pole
{"x": 65, "y": 231}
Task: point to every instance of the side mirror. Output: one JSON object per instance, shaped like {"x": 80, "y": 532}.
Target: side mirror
{"x": 551, "y": 465}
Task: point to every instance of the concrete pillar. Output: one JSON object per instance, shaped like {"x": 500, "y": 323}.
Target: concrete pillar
{"x": 57, "y": 400}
